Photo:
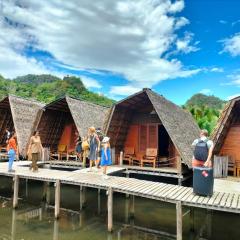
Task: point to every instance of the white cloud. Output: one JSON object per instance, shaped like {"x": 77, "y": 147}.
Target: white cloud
{"x": 125, "y": 37}
{"x": 206, "y": 91}
{"x": 184, "y": 44}
{"x": 235, "y": 80}
{"x": 233, "y": 96}
{"x": 216, "y": 69}
{"x": 90, "y": 82}
{"x": 123, "y": 90}
{"x": 232, "y": 45}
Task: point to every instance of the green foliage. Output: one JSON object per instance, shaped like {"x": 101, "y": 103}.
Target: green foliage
{"x": 205, "y": 110}
{"x": 47, "y": 88}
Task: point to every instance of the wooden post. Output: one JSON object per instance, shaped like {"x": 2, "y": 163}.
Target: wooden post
{"x": 57, "y": 198}
{"x": 56, "y": 230}
{"x": 15, "y": 191}
{"x": 82, "y": 197}
{"x": 121, "y": 158}
{"x": 14, "y": 218}
{"x": 99, "y": 201}
{"x": 26, "y": 188}
{"x": 127, "y": 210}
{"x": 110, "y": 209}
{"x": 179, "y": 220}
{"x": 132, "y": 207}
{"x": 179, "y": 170}
{"x": 113, "y": 156}
{"x": 192, "y": 229}
{"x": 209, "y": 223}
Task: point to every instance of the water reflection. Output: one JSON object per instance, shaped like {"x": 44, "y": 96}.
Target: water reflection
{"x": 134, "y": 218}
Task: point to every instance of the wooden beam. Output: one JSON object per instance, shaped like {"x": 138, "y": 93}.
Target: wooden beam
{"x": 57, "y": 198}
{"x": 15, "y": 191}
{"x": 110, "y": 209}
{"x": 121, "y": 158}
{"x": 179, "y": 220}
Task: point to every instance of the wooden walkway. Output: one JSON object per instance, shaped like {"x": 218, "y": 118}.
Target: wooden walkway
{"x": 179, "y": 195}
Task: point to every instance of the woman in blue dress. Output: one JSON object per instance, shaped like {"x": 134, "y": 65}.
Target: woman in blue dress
{"x": 106, "y": 159}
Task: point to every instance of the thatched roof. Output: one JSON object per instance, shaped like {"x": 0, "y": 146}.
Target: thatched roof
{"x": 179, "y": 123}
{"x": 84, "y": 114}
{"x": 224, "y": 122}
{"x": 25, "y": 114}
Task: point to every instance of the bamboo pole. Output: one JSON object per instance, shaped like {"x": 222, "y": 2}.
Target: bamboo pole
{"x": 57, "y": 198}
{"x": 110, "y": 209}
{"x": 192, "y": 219}
{"x": 15, "y": 191}
{"x": 82, "y": 197}
{"x": 179, "y": 220}
{"x": 99, "y": 201}
{"x": 132, "y": 206}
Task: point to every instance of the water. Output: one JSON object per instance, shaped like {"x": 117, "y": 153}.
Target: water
{"x": 33, "y": 220}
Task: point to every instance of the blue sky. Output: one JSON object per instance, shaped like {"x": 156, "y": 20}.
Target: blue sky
{"x": 177, "y": 48}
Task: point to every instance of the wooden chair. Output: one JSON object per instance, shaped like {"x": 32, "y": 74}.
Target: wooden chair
{"x": 138, "y": 158}
{"x": 238, "y": 167}
{"x": 150, "y": 157}
{"x": 3, "y": 154}
{"x": 128, "y": 155}
{"x": 61, "y": 152}
{"x": 232, "y": 166}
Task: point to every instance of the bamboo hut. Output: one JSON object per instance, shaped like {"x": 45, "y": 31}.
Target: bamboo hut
{"x": 226, "y": 138}
{"x": 20, "y": 115}
{"x": 67, "y": 118}
{"x": 146, "y": 120}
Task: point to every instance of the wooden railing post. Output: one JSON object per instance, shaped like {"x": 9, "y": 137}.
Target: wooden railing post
{"x": 15, "y": 191}
{"x": 110, "y": 209}
{"x": 121, "y": 158}
{"x": 82, "y": 197}
{"x": 179, "y": 220}
{"x": 57, "y": 198}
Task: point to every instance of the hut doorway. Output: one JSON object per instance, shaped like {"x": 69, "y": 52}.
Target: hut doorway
{"x": 163, "y": 143}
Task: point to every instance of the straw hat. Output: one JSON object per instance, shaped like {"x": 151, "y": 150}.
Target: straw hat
{"x": 105, "y": 139}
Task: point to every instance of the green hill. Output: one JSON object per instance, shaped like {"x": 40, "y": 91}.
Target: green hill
{"x": 47, "y": 88}
{"x": 205, "y": 110}
{"x": 204, "y": 100}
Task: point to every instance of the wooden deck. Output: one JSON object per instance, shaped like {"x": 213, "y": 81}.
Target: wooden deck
{"x": 222, "y": 200}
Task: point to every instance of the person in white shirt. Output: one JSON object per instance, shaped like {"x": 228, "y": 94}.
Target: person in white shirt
{"x": 203, "y": 150}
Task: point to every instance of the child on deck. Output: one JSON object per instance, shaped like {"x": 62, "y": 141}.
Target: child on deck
{"x": 105, "y": 156}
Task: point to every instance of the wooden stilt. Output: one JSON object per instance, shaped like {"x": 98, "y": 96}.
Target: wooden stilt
{"x": 209, "y": 224}
{"x": 26, "y": 188}
{"x": 57, "y": 198}
{"x": 56, "y": 230}
{"x": 82, "y": 197}
{"x": 192, "y": 229}
{"x": 132, "y": 206}
{"x": 110, "y": 209}
{"x": 179, "y": 220}
{"x": 99, "y": 201}
{"x": 127, "y": 200}
{"x": 15, "y": 191}
{"x": 13, "y": 230}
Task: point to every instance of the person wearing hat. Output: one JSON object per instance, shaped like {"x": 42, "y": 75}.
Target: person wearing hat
{"x": 106, "y": 159}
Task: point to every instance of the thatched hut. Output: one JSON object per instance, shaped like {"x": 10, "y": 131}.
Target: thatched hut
{"x": 148, "y": 120}
{"x": 20, "y": 115}
{"x": 226, "y": 136}
{"x": 66, "y": 118}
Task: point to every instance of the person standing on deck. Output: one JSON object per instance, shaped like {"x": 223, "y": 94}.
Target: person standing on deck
{"x": 94, "y": 145}
{"x": 79, "y": 149}
{"x": 35, "y": 150}
{"x": 106, "y": 159}
{"x": 12, "y": 151}
{"x": 203, "y": 150}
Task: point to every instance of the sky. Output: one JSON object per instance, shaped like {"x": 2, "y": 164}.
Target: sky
{"x": 175, "y": 47}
